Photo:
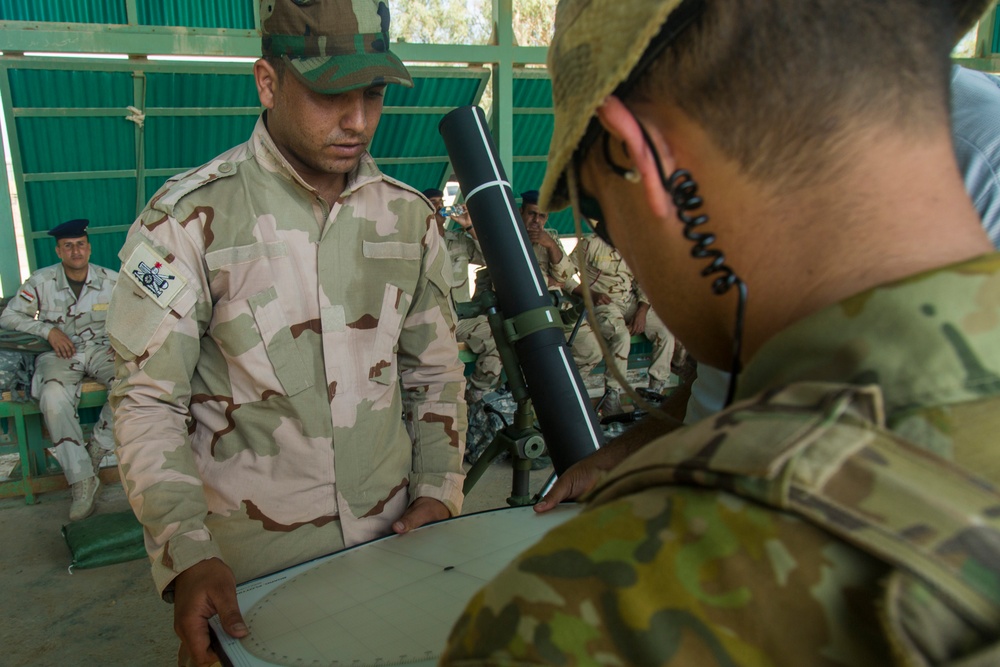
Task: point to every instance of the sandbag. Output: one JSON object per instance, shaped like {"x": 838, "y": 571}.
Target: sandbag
{"x": 104, "y": 539}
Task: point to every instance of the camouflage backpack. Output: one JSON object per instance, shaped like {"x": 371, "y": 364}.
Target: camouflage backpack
{"x": 821, "y": 451}
{"x": 17, "y": 362}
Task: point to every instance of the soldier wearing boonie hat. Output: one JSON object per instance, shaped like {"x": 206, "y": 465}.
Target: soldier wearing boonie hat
{"x": 777, "y": 173}
{"x": 280, "y": 305}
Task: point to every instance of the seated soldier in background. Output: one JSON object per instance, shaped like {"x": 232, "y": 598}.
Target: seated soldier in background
{"x": 463, "y": 247}
{"x": 829, "y": 515}
{"x": 555, "y": 263}
{"x": 621, "y": 311}
{"x": 67, "y": 304}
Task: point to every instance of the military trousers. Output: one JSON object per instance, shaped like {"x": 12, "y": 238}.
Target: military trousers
{"x": 611, "y": 319}
{"x": 475, "y": 332}
{"x": 56, "y": 385}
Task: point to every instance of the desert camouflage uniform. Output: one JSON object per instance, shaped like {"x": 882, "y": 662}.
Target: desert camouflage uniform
{"x": 57, "y": 382}
{"x": 556, "y": 273}
{"x": 664, "y": 567}
{"x": 607, "y": 273}
{"x": 473, "y": 331}
{"x": 289, "y": 373}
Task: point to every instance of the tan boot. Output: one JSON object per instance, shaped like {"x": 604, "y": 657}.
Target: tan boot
{"x": 84, "y": 498}
{"x": 616, "y": 402}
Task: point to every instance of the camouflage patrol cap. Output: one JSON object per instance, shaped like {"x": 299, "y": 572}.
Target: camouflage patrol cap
{"x": 332, "y": 46}
{"x": 596, "y": 46}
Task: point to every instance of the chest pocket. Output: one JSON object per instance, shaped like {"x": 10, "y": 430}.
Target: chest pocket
{"x": 261, "y": 354}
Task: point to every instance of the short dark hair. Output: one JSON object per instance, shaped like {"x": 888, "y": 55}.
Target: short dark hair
{"x": 279, "y": 66}
{"x": 778, "y": 84}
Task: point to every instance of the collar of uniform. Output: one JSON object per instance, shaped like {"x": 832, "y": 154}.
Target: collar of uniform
{"x": 267, "y": 153}
{"x": 62, "y": 281}
{"x": 930, "y": 339}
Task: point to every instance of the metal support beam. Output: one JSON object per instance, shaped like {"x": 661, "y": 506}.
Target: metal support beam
{"x": 26, "y": 36}
{"x": 9, "y": 261}
{"x": 986, "y": 46}
{"x": 503, "y": 84}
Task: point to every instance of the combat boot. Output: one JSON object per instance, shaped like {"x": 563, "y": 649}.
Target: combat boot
{"x": 616, "y": 402}
{"x": 84, "y": 498}
{"x": 660, "y": 387}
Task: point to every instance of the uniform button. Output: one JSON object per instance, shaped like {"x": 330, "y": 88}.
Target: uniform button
{"x": 225, "y": 168}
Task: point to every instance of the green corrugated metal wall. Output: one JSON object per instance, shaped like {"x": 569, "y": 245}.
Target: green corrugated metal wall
{"x": 76, "y": 153}
{"x": 79, "y": 156}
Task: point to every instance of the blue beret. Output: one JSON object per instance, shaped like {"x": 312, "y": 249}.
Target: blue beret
{"x": 529, "y": 197}
{"x": 70, "y": 230}
{"x": 433, "y": 192}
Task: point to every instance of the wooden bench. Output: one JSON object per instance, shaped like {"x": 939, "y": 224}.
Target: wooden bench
{"x": 25, "y": 420}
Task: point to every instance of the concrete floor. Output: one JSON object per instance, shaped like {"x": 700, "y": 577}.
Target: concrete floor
{"x": 109, "y": 616}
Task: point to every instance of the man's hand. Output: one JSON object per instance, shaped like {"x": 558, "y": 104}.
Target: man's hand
{"x": 581, "y": 477}
{"x": 61, "y": 344}
{"x": 201, "y": 591}
{"x": 422, "y": 511}
{"x": 463, "y": 219}
{"x": 638, "y": 323}
{"x": 538, "y": 236}
{"x": 600, "y": 298}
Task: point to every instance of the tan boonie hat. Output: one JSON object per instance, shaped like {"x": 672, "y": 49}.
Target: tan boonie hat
{"x": 332, "y": 46}
{"x": 598, "y": 43}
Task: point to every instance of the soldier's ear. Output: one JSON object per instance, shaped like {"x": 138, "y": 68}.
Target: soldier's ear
{"x": 267, "y": 82}
{"x": 623, "y": 126}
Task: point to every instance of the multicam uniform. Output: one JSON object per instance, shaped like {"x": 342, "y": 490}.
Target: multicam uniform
{"x": 473, "y": 331}
{"x": 57, "y": 382}
{"x": 289, "y": 373}
{"x": 664, "y": 567}
{"x": 607, "y": 273}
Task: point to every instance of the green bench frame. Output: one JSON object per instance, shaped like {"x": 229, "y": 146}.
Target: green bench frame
{"x": 26, "y": 420}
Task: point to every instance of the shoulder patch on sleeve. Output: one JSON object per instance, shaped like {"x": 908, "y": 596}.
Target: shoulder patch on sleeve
{"x": 27, "y": 295}
{"x": 153, "y": 274}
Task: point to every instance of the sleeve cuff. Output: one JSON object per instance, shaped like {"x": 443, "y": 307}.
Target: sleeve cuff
{"x": 445, "y": 488}
{"x": 179, "y": 554}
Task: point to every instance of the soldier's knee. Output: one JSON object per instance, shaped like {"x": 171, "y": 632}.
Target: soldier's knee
{"x": 54, "y": 397}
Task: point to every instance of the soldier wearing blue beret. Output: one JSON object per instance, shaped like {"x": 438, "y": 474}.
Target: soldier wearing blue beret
{"x": 67, "y": 304}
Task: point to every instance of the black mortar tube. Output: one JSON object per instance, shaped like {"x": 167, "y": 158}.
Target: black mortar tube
{"x": 565, "y": 415}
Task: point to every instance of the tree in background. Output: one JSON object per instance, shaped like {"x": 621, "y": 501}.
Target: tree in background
{"x": 469, "y": 21}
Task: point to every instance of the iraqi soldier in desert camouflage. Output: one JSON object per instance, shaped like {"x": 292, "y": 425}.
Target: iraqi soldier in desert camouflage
{"x": 621, "y": 311}
{"x": 463, "y": 249}
{"x": 67, "y": 305}
{"x": 289, "y": 377}
{"x": 553, "y": 259}
{"x": 844, "y": 509}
